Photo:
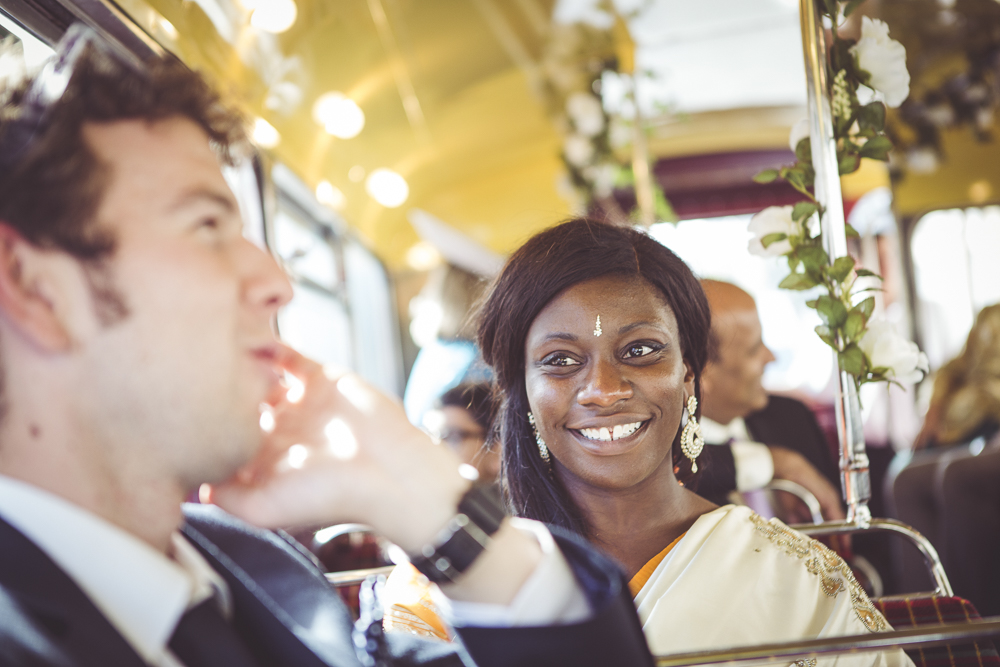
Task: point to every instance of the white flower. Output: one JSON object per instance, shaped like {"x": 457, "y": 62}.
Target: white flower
{"x": 772, "y": 220}
{"x": 922, "y": 160}
{"x": 587, "y": 113}
{"x": 885, "y": 348}
{"x": 799, "y": 132}
{"x": 885, "y": 59}
{"x": 840, "y": 100}
{"x": 578, "y": 150}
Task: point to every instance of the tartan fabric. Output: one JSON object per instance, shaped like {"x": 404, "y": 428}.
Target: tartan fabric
{"x": 913, "y": 612}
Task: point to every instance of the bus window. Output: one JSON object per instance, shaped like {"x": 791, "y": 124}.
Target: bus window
{"x": 33, "y": 50}
{"x": 956, "y": 274}
{"x": 717, "y": 248}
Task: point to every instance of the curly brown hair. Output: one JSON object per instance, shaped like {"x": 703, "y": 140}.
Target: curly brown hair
{"x": 52, "y": 194}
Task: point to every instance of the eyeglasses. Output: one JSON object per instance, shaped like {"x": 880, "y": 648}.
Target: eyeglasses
{"x": 48, "y": 87}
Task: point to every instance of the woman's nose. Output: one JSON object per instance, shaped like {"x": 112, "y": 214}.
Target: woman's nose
{"x": 605, "y": 385}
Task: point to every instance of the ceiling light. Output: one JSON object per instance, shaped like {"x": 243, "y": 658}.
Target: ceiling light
{"x": 387, "y": 188}
{"x": 273, "y": 16}
{"x": 340, "y": 115}
{"x": 330, "y": 194}
{"x": 264, "y": 134}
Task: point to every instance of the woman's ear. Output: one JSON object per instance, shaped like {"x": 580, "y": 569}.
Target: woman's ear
{"x": 32, "y": 286}
{"x": 688, "y": 378}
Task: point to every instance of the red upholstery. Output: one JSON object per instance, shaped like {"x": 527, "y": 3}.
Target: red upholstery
{"x": 913, "y": 612}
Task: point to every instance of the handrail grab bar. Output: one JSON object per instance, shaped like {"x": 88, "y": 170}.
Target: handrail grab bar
{"x": 353, "y": 577}
{"x": 930, "y": 554}
{"x": 785, "y": 652}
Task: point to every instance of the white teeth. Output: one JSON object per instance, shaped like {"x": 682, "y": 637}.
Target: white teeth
{"x": 605, "y": 434}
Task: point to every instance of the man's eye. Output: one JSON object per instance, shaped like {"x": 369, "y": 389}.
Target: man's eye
{"x": 209, "y": 223}
{"x": 561, "y": 360}
{"x": 638, "y": 350}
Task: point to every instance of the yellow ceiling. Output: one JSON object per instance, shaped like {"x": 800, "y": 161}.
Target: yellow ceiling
{"x": 446, "y": 91}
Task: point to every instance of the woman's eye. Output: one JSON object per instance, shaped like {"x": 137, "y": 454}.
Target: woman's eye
{"x": 561, "y": 360}
{"x": 638, "y": 350}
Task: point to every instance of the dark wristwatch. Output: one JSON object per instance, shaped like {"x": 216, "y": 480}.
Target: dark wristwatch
{"x": 462, "y": 540}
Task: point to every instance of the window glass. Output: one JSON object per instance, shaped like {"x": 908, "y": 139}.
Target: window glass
{"x": 304, "y": 250}
{"x": 317, "y": 325}
{"x": 32, "y": 53}
{"x": 378, "y": 355}
{"x": 956, "y": 273}
{"x": 717, "y": 248}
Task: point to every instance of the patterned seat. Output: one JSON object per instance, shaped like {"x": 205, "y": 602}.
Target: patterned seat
{"x": 922, "y": 611}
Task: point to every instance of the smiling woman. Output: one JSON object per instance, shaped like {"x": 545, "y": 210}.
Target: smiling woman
{"x": 598, "y": 337}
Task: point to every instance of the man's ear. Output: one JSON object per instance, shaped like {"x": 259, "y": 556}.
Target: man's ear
{"x": 32, "y": 286}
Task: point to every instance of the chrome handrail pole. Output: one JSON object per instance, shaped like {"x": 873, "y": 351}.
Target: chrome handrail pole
{"x": 786, "y": 652}
{"x": 853, "y": 455}
{"x": 353, "y": 577}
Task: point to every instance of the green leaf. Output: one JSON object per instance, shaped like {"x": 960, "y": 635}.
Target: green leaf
{"x": 872, "y": 116}
{"x": 849, "y": 163}
{"x": 803, "y": 210}
{"x": 854, "y": 326}
{"x": 766, "y": 176}
{"x": 814, "y": 259}
{"x": 830, "y": 7}
{"x": 865, "y": 273}
{"x": 853, "y": 360}
{"x": 811, "y": 303}
{"x": 803, "y": 151}
{"x": 795, "y": 176}
{"x": 851, "y": 6}
{"x": 841, "y": 268}
{"x": 793, "y": 262}
{"x": 797, "y": 282}
{"x": 826, "y": 336}
{"x": 866, "y": 307}
{"x": 877, "y": 148}
{"x": 851, "y": 232}
{"x": 832, "y": 311}
{"x": 773, "y": 238}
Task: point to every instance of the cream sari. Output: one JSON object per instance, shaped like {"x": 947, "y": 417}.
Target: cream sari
{"x": 735, "y": 579}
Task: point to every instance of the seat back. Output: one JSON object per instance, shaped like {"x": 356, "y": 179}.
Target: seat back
{"x": 938, "y": 610}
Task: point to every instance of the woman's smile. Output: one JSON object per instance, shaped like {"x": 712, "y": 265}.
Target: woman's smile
{"x": 613, "y": 438}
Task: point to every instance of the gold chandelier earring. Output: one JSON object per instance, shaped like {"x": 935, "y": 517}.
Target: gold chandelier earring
{"x": 543, "y": 449}
{"x": 691, "y": 440}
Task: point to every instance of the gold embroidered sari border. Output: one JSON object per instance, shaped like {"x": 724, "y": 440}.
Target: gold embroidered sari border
{"x": 825, "y": 564}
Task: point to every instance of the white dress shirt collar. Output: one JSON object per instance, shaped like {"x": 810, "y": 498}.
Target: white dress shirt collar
{"x": 719, "y": 434}
{"x": 141, "y": 591}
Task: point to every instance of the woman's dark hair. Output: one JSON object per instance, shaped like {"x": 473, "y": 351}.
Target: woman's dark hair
{"x": 549, "y": 263}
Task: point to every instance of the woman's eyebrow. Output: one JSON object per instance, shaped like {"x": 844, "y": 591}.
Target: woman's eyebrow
{"x": 560, "y": 335}
{"x": 635, "y": 325}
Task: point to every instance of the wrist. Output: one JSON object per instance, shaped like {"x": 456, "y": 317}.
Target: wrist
{"x": 462, "y": 541}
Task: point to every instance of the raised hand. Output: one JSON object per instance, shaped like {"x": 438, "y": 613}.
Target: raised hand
{"x": 344, "y": 452}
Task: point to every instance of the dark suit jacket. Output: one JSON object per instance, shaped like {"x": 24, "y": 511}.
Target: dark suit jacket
{"x": 286, "y": 610}
{"x": 785, "y": 422}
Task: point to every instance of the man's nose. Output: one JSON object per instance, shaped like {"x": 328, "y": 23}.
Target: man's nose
{"x": 605, "y": 385}
{"x": 267, "y": 285}
{"x": 768, "y": 355}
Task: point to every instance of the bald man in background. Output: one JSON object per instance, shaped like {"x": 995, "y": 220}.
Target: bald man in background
{"x": 768, "y": 437}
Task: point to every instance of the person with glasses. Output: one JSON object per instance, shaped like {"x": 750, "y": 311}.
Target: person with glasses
{"x": 136, "y": 350}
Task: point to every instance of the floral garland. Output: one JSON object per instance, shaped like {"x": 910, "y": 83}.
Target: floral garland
{"x": 871, "y": 351}
{"x": 576, "y": 59}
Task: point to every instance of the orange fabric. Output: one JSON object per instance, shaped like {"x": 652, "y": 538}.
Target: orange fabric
{"x": 643, "y": 575}
{"x": 409, "y": 607}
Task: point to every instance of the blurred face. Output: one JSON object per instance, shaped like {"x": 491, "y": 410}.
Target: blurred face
{"x": 731, "y": 385}
{"x": 178, "y": 382}
{"x": 456, "y": 428}
{"x": 608, "y": 406}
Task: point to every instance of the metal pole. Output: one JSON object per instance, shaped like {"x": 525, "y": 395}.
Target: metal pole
{"x": 786, "y": 652}
{"x": 853, "y": 455}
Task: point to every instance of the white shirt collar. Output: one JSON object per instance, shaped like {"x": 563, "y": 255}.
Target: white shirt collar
{"x": 719, "y": 434}
{"x": 141, "y": 591}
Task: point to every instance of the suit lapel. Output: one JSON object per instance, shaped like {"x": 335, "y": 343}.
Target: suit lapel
{"x": 283, "y": 606}
{"x": 55, "y": 607}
